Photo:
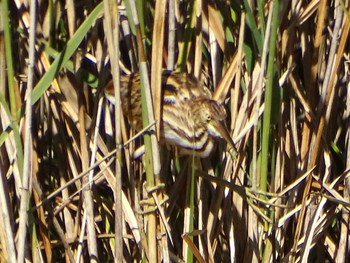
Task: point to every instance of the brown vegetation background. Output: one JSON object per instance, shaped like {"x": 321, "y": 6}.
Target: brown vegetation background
{"x": 70, "y": 189}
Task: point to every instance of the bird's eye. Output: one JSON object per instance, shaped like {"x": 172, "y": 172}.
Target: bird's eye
{"x": 208, "y": 118}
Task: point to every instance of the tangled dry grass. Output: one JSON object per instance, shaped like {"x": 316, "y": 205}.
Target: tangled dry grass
{"x": 70, "y": 187}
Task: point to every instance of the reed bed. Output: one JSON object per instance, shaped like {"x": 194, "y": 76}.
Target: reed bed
{"x": 71, "y": 189}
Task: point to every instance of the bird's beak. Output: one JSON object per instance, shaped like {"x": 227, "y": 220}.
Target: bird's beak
{"x": 218, "y": 129}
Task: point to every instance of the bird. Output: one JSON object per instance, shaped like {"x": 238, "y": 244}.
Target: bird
{"x": 190, "y": 119}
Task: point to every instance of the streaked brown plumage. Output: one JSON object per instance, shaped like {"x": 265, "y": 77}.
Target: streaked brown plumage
{"x": 190, "y": 119}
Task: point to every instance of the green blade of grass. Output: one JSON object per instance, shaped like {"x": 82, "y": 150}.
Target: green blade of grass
{"x": 87, "y": 76}
{"x": 268, "y": 100}
{"x": 65, "y": 55}
{"x": 253, "y": 27}
{"x": 8, "y": 54}
{"x": 17, "y": 137}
